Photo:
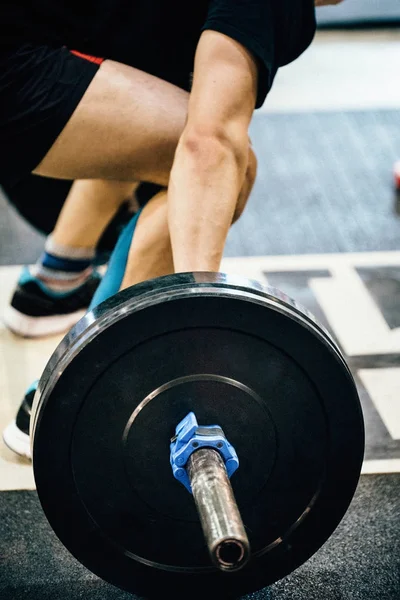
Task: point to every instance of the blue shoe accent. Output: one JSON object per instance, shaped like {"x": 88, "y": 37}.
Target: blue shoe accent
{"x": 25, "y": 276}
{"x": 32, "y": 387}
{"x": 112, "y": 280}
{"x": 22, "y": 420}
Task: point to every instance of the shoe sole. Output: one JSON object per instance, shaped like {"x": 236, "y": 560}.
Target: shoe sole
{"x": 32, "y": 327}
{"x": 17, "y": 441}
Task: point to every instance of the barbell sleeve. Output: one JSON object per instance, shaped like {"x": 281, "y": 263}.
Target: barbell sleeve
{"x": 219, "y": 514}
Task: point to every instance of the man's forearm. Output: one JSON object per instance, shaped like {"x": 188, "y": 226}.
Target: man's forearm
{"x": 205, "y": 183}
{"x": 213, "y": 153}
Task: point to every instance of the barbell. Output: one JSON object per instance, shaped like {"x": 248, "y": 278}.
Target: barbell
{"x": 197, "y": 434}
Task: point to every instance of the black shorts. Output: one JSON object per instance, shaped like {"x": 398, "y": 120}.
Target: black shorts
{"x": 41, "y": 87}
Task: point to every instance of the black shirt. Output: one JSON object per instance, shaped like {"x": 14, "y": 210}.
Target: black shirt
{"x": 160, "y": 36}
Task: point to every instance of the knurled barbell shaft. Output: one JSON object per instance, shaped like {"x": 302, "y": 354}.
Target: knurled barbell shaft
{"x": 220, "y": 518}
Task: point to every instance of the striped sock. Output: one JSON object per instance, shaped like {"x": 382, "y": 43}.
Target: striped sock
{"x": 63, "y": 268}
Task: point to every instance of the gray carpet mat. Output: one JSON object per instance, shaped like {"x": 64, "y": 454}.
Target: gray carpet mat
{"x": 360, "y": 12}
{"x": 324, "y": 185}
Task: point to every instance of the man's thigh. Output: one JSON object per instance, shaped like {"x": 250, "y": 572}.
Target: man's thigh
{"x": 126, "y": 127}
{"x": 76, "y": 119}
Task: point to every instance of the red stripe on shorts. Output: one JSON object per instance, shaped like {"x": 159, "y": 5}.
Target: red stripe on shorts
{"x": 93, "y": 59}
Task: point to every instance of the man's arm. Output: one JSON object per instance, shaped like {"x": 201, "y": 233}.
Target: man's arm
{"x": 212, "y": 155}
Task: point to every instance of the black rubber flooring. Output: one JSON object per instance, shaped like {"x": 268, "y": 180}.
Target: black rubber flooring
{"x": 361, "y": 561}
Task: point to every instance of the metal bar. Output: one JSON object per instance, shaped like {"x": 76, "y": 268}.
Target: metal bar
{"x": 220, "y": 519}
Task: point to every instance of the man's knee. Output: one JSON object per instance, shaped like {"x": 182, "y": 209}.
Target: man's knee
{"x": 250, "y": 177}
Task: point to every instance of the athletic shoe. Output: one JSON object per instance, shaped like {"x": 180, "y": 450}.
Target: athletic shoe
{"x": 36, "y": 311}
{"x": 16, "y": 435}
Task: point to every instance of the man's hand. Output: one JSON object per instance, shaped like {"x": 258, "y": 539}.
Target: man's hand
{"x": 327, "y": 2}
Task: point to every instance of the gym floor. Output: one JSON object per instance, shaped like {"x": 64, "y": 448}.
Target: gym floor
{"x": 322, "y": 226}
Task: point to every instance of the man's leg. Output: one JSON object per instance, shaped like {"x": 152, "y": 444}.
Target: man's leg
{"x": 125, "y": 128}
{"x": 90, "y": 206}
{"x": 144, "y": 249}
{"x": 143, "y": 252}
{"x": 54, "y": 294}
{"x": 150, "y": 253}
{"x": 87, "y": 210}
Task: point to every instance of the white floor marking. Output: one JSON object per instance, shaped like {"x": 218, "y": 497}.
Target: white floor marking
{"x": 374, "y": 467}
{"x": 383, "y": 386}
{"x": 353, "y": 314}
{"x": 302, "y": 262}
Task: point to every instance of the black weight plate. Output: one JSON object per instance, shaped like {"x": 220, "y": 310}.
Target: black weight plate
{"x": 237, "y": 354}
